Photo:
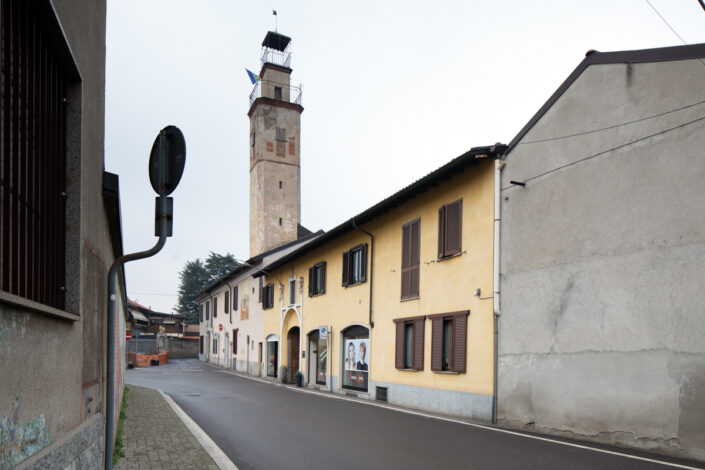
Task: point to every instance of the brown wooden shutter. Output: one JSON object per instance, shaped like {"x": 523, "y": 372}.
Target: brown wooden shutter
{"x": 201, "y": 341}
{"x": 323, "y": 278}
{"x": 441, "y": 231}
{"x": 363, "y": 263}
{"x": 346, "y": 269}
{"x": 405, "y": 261}
{"x": 261, "y": 289}
{"x": 226, "y": 302}
{"x": 311, "y": 280}
{"x": 399, "y": 349}
{"x": 414, "y": 258}
{"x": 418, "y": 343}
{"x": 454, "y": 220}
{"x": 201, "y": 317}
{"x": 215, "y": 307}
{"x": 459, "y": 343}
{"x": 437, "y": 344}
{"x": 236, "y": 292}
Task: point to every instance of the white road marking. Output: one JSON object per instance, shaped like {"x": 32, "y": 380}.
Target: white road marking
{"x": 465, "y": 423}
{"x": 222, "y": 460}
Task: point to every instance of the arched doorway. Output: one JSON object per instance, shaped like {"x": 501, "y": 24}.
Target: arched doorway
{"x": 293, "y": 341}
{"x": 272, "y": 355}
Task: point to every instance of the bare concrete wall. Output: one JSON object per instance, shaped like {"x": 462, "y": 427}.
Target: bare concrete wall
{"x": 602, "y": 327}
{"x": 180, "y": 348}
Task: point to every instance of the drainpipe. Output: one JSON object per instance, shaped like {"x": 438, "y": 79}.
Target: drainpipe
{"x": 372, "y": 257}
{"x": 162, "y": 222}
{"x": 498, "y": 165}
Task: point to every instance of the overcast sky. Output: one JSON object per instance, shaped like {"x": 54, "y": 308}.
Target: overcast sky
{"x": 391, "y": 91}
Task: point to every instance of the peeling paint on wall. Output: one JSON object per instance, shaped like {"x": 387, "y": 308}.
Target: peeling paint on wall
{"x": 19, "y": 441}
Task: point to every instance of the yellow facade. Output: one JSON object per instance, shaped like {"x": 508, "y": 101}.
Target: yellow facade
{"x": 446, "y": 285}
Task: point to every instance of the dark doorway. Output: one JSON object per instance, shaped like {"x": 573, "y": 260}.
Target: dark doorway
{"x": 293, "y": 339}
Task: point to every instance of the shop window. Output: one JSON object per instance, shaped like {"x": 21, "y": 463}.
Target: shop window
{"x": 272, "y": 359}
{"x": 356, "y": 362}
{"x": 268, "y": 296}
{"x": 317, "y": 279}
{"x": 450, "y": 225}
{"x": 411, "y": 250}
{"x": 449, "y": 341}
{"x": 355, "y": 265}
{"x": 409, "y": 351}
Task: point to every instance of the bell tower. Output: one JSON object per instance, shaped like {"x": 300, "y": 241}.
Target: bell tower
{"x": 275, "y": 149}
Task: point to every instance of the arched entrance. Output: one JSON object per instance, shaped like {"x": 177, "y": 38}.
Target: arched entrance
{"x": 293, "y": 339}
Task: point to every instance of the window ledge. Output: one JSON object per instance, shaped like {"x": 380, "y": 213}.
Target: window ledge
{"x": 31, "y": 305}
{"x": 356, "y": 284}
{"x": 449, "y": 372}
{"x": 450, "y": 256}
{"x": 409, "y": 298}
{"x": 316, "y": 295}
{"x": 409, "y": 370}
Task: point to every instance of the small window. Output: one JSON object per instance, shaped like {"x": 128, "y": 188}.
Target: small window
{"x": 281, "y": 134}
{"x": 252, "y": 139}
{"x": 450, "y": 228}
{"x": 200, "y": 338}
{"x": 278, "y": 93}
{"x": 411, "y": 250}
{"x": 215, "y": 307}
{"x": 235, "y": 298}
{"x": 268, "y": 300}
{"x": 215, "y": 345}
{"x": 409, "y": 343}
{"x": 292, "y": 291}
{"x": 280, "y": 185}
{"x": 280, "y": 220}
{"x": 355, "y": 265}
{"x": 226, "y": 302}
{"x": 208, "y": 310}
{"x": 261, "y": 289}
{"x": 449, "y": 341}
{"x": 235, "y": 341}
{"x": 201, "y": 315}
{"x": 317, "y": 279}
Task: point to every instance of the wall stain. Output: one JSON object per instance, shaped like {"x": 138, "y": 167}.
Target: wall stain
{"x": 19, "y": 441}
{"x": 11, "y": 323}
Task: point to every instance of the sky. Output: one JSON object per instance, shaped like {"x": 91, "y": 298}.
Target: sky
{"x": 391, "y": 91}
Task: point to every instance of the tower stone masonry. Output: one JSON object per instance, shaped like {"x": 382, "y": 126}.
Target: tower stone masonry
{"x": 275, "y": 149}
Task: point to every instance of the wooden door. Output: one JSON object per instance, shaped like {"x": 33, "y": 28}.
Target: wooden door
{"x": 294, "y": 356}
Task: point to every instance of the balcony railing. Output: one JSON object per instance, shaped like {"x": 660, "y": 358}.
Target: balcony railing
{"x": 275, "y": 57}
{"x": 276, "y": 91}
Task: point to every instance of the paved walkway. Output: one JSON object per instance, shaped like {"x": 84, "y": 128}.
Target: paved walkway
{"x": 154, "y": 436}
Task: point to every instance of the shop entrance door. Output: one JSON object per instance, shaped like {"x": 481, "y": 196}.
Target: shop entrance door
{"x": 293, "y": 352}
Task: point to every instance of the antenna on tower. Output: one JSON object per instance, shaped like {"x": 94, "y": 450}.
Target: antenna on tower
{"x": 274, "y": 12}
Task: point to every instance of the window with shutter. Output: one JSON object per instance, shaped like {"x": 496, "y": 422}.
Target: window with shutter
{"x": 450, "y": 224}
{"x": 311, "y": 281}
{"x": 449, "y": 341}
{"x": 268, "y": 296}
{"x": 409, "y": 350}
{"x": 410, "y": 259}
{"x": 235, "y": 341}
{"x": 355, "y": 265}
{"x": 215, "y": 307}
{"x": 201, "y": 315}
{"x": 208, "y": 310}
{"x": 317, "y": 279}
{"x": 226, "y": 302}
{"x": 261, "y": 289}
{"x": 292, "y": 291}
{"x": 235, "y": 297}
{"x": 201, "y": 343}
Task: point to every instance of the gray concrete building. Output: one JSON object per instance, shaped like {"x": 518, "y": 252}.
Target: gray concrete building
{"x": 602, "y": 326}
{"x": 60, "y": 224}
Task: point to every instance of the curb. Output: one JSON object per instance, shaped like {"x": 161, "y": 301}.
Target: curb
{"x": 218, "y": 456}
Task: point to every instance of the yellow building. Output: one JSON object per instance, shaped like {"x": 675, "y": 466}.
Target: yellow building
{"x": 396, "y": 303}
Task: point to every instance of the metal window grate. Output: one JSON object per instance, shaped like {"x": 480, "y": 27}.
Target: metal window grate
{"x": 381, "y": 393}
{"x": 33, "y": 166}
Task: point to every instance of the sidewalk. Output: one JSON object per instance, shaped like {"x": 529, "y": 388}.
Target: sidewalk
{"x": 154, "y": 436}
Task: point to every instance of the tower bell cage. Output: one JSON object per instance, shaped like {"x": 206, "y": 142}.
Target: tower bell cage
{"x": 275, "y": 50}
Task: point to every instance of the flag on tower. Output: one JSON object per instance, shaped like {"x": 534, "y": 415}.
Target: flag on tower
{"x": 253, "y": 78}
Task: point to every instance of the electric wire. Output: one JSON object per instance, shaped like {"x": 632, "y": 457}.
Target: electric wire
{"x": 675, "y": 32}
{"x": 613, "y": 126}
{"x": 702, "y": 118}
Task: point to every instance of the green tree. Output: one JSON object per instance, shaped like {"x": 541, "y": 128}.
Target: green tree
{"x": 195, "y": 276}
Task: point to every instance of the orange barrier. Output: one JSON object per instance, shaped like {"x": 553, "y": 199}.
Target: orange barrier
{"x": 144, "y": 360}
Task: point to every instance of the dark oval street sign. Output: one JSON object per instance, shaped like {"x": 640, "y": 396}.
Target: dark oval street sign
{"x": 175, "y": 160}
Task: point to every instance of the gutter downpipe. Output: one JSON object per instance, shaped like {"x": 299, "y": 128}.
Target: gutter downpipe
{"x": 112, "y": 277}
{"x": 498, "y": 165}
{"x": 372, "y": 256}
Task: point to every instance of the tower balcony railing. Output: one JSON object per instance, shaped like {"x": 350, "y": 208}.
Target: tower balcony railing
{"x": 276, "y": 91}
{"x": 273, "y": 56}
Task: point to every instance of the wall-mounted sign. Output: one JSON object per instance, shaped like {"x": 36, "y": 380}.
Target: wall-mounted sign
{"x": 303, "y": 354}
{"x": 220, "y": 327}
{"x": 323, "y": 332}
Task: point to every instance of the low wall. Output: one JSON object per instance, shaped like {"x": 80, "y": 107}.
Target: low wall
{"x": 180, "y": 348}
{"x": 144, "y": 360}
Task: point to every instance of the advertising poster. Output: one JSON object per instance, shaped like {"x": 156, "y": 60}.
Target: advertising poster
{"x": 356, "y": 363}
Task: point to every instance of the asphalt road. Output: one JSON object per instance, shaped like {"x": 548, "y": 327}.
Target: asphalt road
{"x": 264, "y": 426}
